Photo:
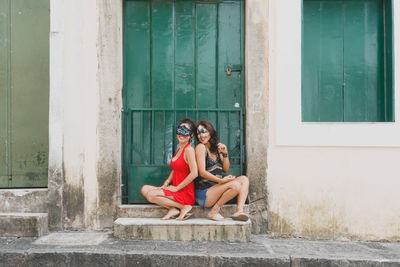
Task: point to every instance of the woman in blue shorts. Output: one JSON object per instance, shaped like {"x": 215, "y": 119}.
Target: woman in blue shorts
{"x": 211, "y": 189}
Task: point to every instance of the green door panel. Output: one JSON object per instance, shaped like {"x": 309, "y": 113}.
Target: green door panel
{"x": 162, "y": 54}
{"x": 206, "y": 56}
{"x": 229, "y": 91}
{"x": 136, "y": 31}
{"x": 175, "y": 59}
{"x": 27, "y": 97}
{"x": 4, "y": 92}
{"x": 184, "y": 91}
{"x": 347, "y": 72}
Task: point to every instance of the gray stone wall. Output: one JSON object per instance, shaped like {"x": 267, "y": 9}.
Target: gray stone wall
{"x": 256, "y": 43}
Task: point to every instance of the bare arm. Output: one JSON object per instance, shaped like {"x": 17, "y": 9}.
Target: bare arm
{"x": 201, "y": 151}
{"x": 226, "y": 164}
{"x": 168, "y": 181}
{"x": 191, "y": 161}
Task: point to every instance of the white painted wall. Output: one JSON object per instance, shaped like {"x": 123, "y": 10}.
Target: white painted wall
{"x": 85, "y": 113}
{"x": 81, "y": 100}
{"x": 336, "y": 180}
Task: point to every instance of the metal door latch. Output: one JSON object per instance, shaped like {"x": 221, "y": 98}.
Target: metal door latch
{"x": 231, "y": 68}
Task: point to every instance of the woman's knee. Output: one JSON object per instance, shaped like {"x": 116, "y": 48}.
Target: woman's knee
{"x": 243, "y": 179}
{"x": 152, "y": 194}
{"x": 235, "y": 185}
{"x": 144, "y": 190}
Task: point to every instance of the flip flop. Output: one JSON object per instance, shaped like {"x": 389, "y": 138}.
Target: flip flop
{"x": 187, "y": 215}
{"x": 240, "y": 217}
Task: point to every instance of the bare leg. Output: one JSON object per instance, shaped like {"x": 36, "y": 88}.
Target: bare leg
{"x": 243, "y": 192}
{"x": 218, "y": 195}
{"x": 222, "y": 193}
{"x": 158, "y": 197}
{"x": 147, "y": 188}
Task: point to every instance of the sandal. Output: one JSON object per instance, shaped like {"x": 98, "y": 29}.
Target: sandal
{"x": 241, "y": 216}
{"x": 174, "y": 216}
{"x": 216, "y": 216}
{"x": 186, "y": 215}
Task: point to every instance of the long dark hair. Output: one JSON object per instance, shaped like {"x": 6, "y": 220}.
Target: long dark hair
{"x": 214, "y": 139}
{"x": 191, "y": 124}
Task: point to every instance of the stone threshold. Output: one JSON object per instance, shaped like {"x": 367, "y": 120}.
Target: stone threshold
{"x": 154, "y": 211}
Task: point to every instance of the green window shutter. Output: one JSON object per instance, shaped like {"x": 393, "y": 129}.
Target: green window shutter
{"x": 347, "y": 61}
{"x": 24, "y": 92}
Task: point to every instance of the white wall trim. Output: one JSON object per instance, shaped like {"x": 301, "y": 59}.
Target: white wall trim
{"x": 285, "y": 79}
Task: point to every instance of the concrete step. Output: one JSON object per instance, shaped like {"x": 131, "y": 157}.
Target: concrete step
{"x": 154, "y": 211}
{"x": 23, "y": 224}
{"x": 198, "y": 229}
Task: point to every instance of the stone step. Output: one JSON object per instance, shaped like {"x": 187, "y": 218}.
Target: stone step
{"x": 154, "y": 211}
{"x": 23, "y": 224}
{"x": 197, "y": 229}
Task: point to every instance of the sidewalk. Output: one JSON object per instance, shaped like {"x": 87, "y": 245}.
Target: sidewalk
{"x": 102, "y": 249}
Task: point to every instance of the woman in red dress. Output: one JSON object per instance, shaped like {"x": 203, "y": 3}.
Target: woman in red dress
{"x": 179, "y": 197}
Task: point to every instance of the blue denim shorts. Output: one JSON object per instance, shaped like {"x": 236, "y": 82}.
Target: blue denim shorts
{"x": 201, "y": 196}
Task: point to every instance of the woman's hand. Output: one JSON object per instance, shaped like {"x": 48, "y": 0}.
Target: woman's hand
{"x": 222, "y": 148}
{"x": 172, "y": 188}
{"x": 227, "y": 179}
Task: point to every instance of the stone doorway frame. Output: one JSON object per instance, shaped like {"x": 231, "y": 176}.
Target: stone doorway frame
{"x": 109, "y": 139}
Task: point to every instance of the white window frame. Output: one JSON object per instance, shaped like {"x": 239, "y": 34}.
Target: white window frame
{"x": 285, "y": 81}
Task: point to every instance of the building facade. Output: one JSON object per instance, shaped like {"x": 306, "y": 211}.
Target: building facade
{"x": 321, "y": 162}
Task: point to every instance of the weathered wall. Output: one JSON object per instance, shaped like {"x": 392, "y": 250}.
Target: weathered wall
{"x": 56, "y": 116}
{"x": 86, "y": 96}
{"x": 325, "y": 191}
{"x": 256, "y": 62}
{"x": 109, "y": 122}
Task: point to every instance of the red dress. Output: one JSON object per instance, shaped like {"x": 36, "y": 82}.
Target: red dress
{"x": 181, "y": 169}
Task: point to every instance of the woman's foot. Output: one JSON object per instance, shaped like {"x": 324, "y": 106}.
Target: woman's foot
{"x": 214, "y": 214}
{"x": 185, "y": 213}
{"x": 240, "y": 216}
{"x": 171, "y": 214}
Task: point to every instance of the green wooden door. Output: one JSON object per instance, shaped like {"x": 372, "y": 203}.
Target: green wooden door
{"x": 176, "y": 56}
{"x": 347, "y": 60}
{"x": 24, "y": 92}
